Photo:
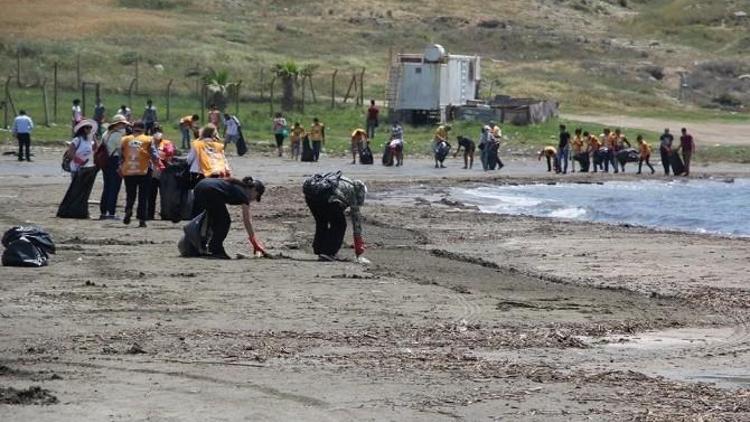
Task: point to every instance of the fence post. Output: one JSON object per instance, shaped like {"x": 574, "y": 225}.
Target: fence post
{"x": 302, "y": 99}
{"x": 203, "y": 103}
{"x": 169, "y": 97}
{"x": 8, "y": 101}
{"x": 44, "y": 101}
{"x": 18, "y": 68}
{"x": 237, "y": 98}
{"x": 137, "y": 58}
{"x": 83, "y": 98}
{"x": 262, "y": 79}
{"x": 352, "y": 84}
{"x": 362, "y": 87}
{"x": 54, "y": 94}
{"x": 333, "y": 88}
{"x": 130, "y": 93}
{"x": 78, "y": 70}
{"x": 312, "y": 89}
{"x": 270, "y": 94}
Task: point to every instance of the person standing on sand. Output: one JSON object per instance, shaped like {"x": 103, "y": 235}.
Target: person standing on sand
{"x": 112, "y": 140}
{"x": 359, "y": 140}
{"x": 232, "y": 127}
{"x": 22, "y": 127}
{"x": 280, "y": 129}
{"x": 665, "y": 149}
{"x": 687, "y": 145}
{"x": 127, "y": 112}
{"x": 75, "y": 204}
{"x": 328, "y": 206}
{"x": 373, "y": 119}
{"x": 214, "y": 116}
{"x": 645, "y": 154}
{"x": 76, "y": 115}
{"x": 594, "y": 145}
{"x": 99, "y": 116}
{"x": 166, "y": 150}
{"x": 318, "y": 137}
{"x": 295, "y": 139}
{"x": 188, "y": 129}
{"x": 577, "y": 147}
{"x": 149, "y": 117}
{"x": 139, "y": 159}
{"x": 563, "y": 149}
{"x": 213, "y": 196}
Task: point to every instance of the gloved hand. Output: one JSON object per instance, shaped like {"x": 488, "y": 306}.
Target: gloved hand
{"x": 257, "y": 246}
{"x": 359, "y": 245}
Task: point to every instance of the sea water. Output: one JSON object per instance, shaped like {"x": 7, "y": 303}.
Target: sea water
{"x": 702, "y": 206}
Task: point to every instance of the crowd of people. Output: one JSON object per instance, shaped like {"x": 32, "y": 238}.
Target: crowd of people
{"x": 612, "y": 149}
{"x": 137, "y": 153}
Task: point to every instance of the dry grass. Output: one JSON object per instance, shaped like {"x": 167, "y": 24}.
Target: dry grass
{"x": 75, "y": 19}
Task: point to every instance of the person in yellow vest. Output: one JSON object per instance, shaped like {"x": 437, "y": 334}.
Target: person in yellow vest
{"x": 577, "y": 146}
{"x": 188, "y": 128}
{"x": 645, "y": 154}
{"x": 359, "y": 140}
{"x": 594, "y": 145}
{"x": 317, "y": 137}
{"x": 206, "y": 157}
{"x": 550, "y": 153}
{"x": 295, "y": 137}
{"x": 612, "y": 143}
{"x": 139, "y": 158}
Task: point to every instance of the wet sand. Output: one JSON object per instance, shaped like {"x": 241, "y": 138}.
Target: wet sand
{"x": 461, "y": 315}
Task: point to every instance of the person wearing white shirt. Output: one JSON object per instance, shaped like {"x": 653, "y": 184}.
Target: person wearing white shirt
{"x": 231, "y": 129}
{"x": 22, "y": 127}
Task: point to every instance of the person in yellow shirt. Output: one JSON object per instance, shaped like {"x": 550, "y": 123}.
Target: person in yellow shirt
{"x": 188, "y": 129}
{"x": 550, "y": 153}
{"x": 359, "y": 140}
{"x": 139, "y": 159}
{"x": 645, "y": 154}
{"x": 612, "y": 142}
{"x": 577, "y": 145}
{"x": 295, "y": 137}
{"x": 594, "y": 145}
{"x": 317, "y": 137}
{"x": 206, "y": 157}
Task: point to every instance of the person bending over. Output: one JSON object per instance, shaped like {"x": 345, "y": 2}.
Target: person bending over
{"x": 213, "y": 196}
{"x": 469, "y": 149}
{"x": 550, "y": 153}
{"x": 327, "y": 207}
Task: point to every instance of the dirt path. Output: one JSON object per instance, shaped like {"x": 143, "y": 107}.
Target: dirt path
{"x": 705, "y": 133}
{"x": 461, "y": 316}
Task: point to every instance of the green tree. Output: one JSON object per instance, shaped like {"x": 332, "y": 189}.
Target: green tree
{"x": 287, "y": 73}
{"x": 218, "y": 87}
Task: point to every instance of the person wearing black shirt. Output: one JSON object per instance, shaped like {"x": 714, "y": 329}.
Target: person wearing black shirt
{"x": 213, "y": 195}
{"x": 665, "y": 149}
{"x": 563, "y": 149}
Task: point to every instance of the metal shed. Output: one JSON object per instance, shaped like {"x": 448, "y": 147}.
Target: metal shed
{"x": 421, "y": 86}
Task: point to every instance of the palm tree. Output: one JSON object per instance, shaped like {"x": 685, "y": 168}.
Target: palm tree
{"x": 288, "y": 73}
{"x": 218, "y": 87}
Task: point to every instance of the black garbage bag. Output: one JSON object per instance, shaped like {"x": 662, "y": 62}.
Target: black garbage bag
{"x": 27, "y": 246}
{"x": 442, "y": 150}
{"x": 195, "y": 239}
{"x": 174, "y": 189}
{"x": 75, "y": 204}
{"x": 241, "y": 144}
{"x": 365, "y": 155}
{"x": 321, "y": 186}
{"x": 584, "y": 161}
{"x": 307, "y": 152}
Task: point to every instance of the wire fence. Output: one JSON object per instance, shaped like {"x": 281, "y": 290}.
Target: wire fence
{"x": 134, "y": 80}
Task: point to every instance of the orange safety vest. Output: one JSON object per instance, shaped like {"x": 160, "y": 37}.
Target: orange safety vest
{"x": 136, "y": 155}
{"x": 211, "y": 158}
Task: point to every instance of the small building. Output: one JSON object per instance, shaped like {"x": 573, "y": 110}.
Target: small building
{"x": 422, "y": 86}
{"x": 506, "y": 109}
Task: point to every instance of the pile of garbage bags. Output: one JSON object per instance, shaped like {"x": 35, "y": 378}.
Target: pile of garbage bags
{"x": 27, "y": 246}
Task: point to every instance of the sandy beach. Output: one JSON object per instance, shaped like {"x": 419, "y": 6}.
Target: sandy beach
{"x": 460, "y": 316}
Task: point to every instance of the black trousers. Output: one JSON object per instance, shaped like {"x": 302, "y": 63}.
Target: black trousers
{"x": 665, "y": 160}
{"x": 24, "y": 142}
{"x": 330, "y": 226}
{"x": 217, "y": 215}
{"x": 137, "y": 186}
{"x": 153, "y": 193}
{"x": 316, "y": 150}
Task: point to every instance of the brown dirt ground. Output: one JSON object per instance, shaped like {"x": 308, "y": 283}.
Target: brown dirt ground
{"x": 461, "y": 316}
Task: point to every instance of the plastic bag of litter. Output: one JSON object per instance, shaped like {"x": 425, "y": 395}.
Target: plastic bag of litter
{"x": 27, "y": 246}
{"x": 197, "y": 233}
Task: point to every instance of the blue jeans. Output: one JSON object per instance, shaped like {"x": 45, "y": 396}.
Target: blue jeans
{"x": 112, "y": 184}
{"x": 316, "y": 150}
{"x": 562, "y": 157}
{"x": 371, "y": 125}
{"x": 185, "y": 137}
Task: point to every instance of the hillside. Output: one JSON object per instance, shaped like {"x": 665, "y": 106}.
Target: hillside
{"x": 590, "y": 54}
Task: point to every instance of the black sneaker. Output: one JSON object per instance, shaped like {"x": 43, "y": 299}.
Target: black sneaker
{"x": 142, "y": 223}
{"x": 126, "y": 219}
{"x": 218, "y": 255}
